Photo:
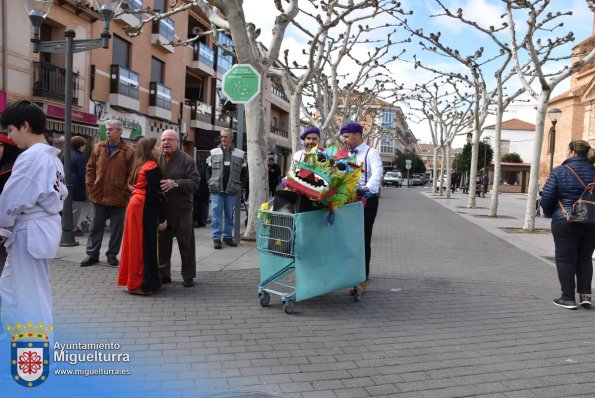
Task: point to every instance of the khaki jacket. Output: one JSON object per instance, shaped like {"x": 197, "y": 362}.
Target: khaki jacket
{"x": 107, "y": 176}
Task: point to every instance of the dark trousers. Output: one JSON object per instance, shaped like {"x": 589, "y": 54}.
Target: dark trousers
{"x": 370, "y": 211}
{"x": 117, "y": 216}
{"x": 574, "y": 243}
{"x": 179, "y": 224}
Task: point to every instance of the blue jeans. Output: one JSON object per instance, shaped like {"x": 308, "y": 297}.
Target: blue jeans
{"x": 222, "y": 218}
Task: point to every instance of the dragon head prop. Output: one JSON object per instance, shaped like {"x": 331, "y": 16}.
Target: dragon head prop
{"x": 329, "y": 180}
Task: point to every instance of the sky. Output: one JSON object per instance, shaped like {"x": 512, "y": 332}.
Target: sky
{"x": 453, "y": 33}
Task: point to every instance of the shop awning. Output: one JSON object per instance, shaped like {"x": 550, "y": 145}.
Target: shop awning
{"x": 57, "y": 126}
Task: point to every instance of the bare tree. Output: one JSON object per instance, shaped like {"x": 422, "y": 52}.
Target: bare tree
{"x": 542, "y": 55}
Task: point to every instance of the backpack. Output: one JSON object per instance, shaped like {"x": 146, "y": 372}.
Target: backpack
{"x": 583, "y": 210}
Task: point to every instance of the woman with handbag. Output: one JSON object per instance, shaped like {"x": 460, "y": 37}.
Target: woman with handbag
{"x": 574, "y": 241}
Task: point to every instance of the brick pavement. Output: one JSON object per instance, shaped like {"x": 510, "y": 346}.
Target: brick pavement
{"x": 452, "y": 311}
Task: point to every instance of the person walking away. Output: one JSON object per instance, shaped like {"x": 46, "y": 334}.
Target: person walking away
{"x": 77, "y": 179}
{"x": 226, "y": 170}
{"x": 179, "y": 182}
{"x": 107, "y": 175}
{"x": 574, "y": 242}
{"x": 370, "y": 180}
{"x": 200, "y": 210}
{"x": 145, "y": 216}
{"x": 8, "y": 154}
{"x": 485, "y": 181}
{"x": 311, "y": 138}
{"x": 30, "y": 221}
{"x": 274, "y": 176}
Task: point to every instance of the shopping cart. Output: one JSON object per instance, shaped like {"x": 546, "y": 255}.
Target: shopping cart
{"x": 302, "y": 256}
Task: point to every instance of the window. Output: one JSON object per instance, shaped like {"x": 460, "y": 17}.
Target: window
{"x": 121, "y": 52}
{"x": 388, "y": 119}
{"x": 160, "y": 5}
{"x": 156, "y": 70}
{"x": 224, "y": 62}
{"x": 387, "y": 144}
{"x": 504, "y": 147}
{"x": 167, "y": 28}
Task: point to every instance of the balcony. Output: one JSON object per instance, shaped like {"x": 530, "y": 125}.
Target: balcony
{"x": 159, "y": 101}
{"x": 124, "y": 88}
{"x": 276, "y": 130}
{"x": 131, "y": 19}
{"x": 278, "y": 92}
{"x": 204, "y": 59}
{"x": 200, "y": 115}
{"x": 163, "y": 33}
{"x": 49, "y": 82}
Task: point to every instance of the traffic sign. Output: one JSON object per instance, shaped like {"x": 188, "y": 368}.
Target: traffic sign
{"x": 241, "y": 84}
{"x": 407, "y": 166}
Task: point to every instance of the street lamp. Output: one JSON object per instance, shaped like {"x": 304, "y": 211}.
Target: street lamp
{"x": 554, "y": 114}
{"x": 37, "y": 11}
{"x": 486, "y": 142}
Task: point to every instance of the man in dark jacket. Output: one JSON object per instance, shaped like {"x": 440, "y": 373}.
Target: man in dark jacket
{"x": 575, "y": 242}
{"x": 180, "y": 181}
{"x": 107, "y": 177}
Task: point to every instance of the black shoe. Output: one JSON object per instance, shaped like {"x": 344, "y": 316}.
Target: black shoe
{"x": 112, "y": 260}
{"x": 166, "y": 280}
{"x": 89, "y": 261}
{"x": 229, "y": 242}
{"x": 584, "y": 300}
{"x": 571, "y": 305}
{"x": 217, "y": 244}
{"x": 188, "y": 282}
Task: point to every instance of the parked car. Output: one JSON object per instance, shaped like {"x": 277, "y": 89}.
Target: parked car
{"x": 393, "y": 178}
{"x": 418, "y": 179}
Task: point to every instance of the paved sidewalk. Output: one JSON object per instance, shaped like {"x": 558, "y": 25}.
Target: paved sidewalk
{"x": 454, "y": 309}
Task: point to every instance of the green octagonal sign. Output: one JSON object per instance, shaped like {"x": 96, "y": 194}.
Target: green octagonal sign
{"x": 241, "y": 84}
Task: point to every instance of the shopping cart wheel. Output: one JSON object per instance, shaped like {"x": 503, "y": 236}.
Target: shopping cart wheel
{"x": 289, "y": 306}
{"x": 357, "y": 293}
{"x": 265, "y": 298}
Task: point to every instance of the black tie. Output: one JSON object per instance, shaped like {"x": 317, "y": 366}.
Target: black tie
{"x": 353, "y": 151}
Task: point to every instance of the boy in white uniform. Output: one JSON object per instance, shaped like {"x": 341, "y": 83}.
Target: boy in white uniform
{"x": 30, "y": 219}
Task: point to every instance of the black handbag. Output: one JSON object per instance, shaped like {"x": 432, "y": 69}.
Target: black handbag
{"x": 583, "y": 210}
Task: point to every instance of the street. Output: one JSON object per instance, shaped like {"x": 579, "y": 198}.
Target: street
{"x": 451, "y": 311}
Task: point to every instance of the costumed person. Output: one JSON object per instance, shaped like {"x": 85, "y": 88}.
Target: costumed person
{"x": 226, "y": 170}
{"x": 30, "y": 221}
{"x": 8, "y": 155}
{"x": 180, "y": 181}
{"x": 311, "y": 138}
{"x": 145, "y": 215}
{"x": 77, "y": 179}
{"x": 108, "y": 172}
{"x": 370, "y": 180}
{"x": 574, "y": 242}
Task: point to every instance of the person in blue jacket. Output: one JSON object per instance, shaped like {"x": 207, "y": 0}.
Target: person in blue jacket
{"x": 574, "y": 242}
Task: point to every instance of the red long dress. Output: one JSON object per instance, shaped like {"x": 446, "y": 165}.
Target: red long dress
{"x": 138, "y": 261}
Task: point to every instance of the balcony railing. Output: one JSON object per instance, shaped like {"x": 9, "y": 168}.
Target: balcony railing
{"x": 165, "y": 27}
{"x": 278, "y": 131}
{"x": 279, "y": 93}
{"x": 124, "y": 81}
{"x": 200, "y": 111}
{"x": 204, "y": 54}
{"x": 49, "y": 81}
{"x": 159, "y": 95}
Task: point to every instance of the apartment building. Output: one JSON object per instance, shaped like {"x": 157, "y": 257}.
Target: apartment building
{"x": 142, "y": 81}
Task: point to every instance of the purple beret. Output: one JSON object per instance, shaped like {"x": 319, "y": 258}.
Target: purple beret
{"x": 310, "y": 130}
{"x": 351, "y": 127}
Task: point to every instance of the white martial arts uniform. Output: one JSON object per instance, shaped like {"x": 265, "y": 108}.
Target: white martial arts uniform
{"x": 297, "y": 157}
{"x": 29, "y": 210}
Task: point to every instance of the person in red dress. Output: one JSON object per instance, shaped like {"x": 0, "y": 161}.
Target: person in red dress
{"x": 145, "y": 216}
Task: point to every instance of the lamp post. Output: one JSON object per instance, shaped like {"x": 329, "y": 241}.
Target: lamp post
{"x": 37, "y": 11}
{"x": 554, "y": 114}
{"x": 486, "y": 142}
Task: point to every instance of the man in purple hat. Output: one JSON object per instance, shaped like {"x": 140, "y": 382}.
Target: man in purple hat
{"x": 370, "y": 179}
{"x": 311, "y": 138}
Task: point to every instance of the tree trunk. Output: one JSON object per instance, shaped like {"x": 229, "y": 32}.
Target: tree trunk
{"x": 497, "y": 157}
{"x": 473, "y": 171}
{"x": 448, "y": 171}
{"x": 434, "y": 169}
{"x": 534, "y": 174}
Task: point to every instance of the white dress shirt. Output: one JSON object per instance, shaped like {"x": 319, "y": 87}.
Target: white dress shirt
{"x": 371, "y": 162}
